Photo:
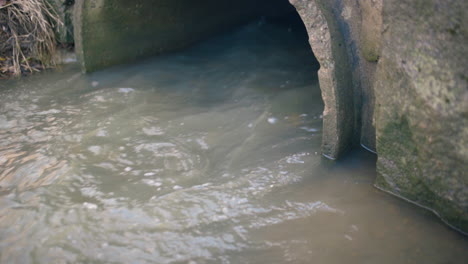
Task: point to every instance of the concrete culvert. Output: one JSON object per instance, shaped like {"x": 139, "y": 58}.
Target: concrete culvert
{"x": 367, "y": 56}
{"x": 114, "y": 32}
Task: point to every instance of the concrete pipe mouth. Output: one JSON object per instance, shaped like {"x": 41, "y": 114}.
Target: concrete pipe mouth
{"x": 119, "y": 31}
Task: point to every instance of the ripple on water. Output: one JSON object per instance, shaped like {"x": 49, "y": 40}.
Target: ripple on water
{"x": 207, "y": 158}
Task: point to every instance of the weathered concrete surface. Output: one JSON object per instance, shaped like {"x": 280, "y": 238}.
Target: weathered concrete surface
{"x": 371, "y": 29}
{"x": 409, "y": 61}
{"x": 355, "y": 29}
{"x": 109, "y": 32}
{"x": 422, "y": 105}
{"x": 334, "y": 75}
{"x": 359, "y": 24}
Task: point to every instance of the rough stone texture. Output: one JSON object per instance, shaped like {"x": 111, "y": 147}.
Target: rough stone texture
{"x": 422, "y": 105}
{"x": 369, "y": 43}
{"x": 354, "y": 17}
{"x": 371, "y": 25}
{"x": 334, "y": 75}
{"x": 349, "y": 22}
{"x": 409, "y": 61}
{"x": 109, "y": 32}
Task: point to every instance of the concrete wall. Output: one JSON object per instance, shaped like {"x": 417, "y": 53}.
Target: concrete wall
{"x": 110, "y": 32}
{"x": 421, "y": 98}
{"x": 355, "y": 27}
{"x": 340, "y": 130}
{"x": 409, "y": 68}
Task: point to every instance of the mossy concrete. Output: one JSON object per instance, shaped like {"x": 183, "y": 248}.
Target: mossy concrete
{"x": 110, "y": 32}
{"x": 409, "y": 82}
{"x": 422, "y": 105}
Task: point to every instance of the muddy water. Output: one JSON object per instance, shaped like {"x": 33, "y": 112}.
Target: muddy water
{"x": 206, "y": 156}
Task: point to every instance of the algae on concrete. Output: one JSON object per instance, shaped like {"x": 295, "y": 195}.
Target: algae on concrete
{"x": 109, "y": 32}
{"x": 409, "y": 61}
{"x": 422, "y": 106}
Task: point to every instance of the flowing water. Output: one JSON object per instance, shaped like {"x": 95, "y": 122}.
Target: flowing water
{"x": 210, "y": 155}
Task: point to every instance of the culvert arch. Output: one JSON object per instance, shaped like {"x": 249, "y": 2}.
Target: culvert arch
{"x": 120, "y": 31}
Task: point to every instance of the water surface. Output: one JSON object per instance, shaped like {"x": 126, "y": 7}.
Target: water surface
{"x": 211, "y": 155}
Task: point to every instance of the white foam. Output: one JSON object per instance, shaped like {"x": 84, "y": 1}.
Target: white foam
{"x": 153, "y": 131}
{"x": 152, "y": 182}
{"x": 309, "y": 129}
{"x": 90, "y": 206}
{"x": 126, "y": 90}
{"x": 95, "y": 149}
{"x": 48, "y": 112}
{"x": 272, "y": 120}
{"x": 101, "y": 133}
{"x": 202, "y": 143}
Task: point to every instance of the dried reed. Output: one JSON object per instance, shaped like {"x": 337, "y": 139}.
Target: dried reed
{"x": 28, "y": 35}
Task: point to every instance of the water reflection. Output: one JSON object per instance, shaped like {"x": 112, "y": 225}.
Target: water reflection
{"x": 207, "y": 156}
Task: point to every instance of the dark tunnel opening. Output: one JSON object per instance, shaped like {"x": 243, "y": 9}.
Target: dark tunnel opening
{"x": 123, "y": 31}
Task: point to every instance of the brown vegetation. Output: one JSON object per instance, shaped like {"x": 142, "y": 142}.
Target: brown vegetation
{"x": 27, "y": 37}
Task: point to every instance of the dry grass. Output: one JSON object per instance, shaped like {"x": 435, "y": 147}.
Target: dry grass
{"x": 27, "y": 37}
